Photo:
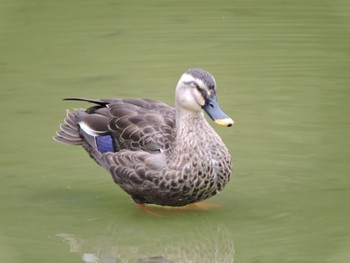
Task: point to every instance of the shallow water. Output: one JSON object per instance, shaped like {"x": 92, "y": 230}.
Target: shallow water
{"x": 282, "y": 69}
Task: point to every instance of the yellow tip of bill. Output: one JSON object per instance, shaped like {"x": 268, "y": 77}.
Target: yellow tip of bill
{"x": 228, "y": 122}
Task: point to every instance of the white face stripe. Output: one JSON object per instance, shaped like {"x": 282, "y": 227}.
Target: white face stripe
{"x": 201, "y": 84}
{"x": 189, "y": 78}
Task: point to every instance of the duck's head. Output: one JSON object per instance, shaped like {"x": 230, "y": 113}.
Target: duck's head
{"x": 196, "y": 91}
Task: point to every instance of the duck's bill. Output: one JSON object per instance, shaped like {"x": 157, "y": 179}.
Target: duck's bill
{"x": 212, "y": 108}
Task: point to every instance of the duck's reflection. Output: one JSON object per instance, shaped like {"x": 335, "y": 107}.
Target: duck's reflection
{"x": 180, "y": 243}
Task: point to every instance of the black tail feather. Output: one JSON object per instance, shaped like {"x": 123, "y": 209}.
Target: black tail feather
{"x": 99, "y": 102}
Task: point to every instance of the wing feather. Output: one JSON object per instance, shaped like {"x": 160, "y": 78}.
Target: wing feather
{"x": 134, "y": 124}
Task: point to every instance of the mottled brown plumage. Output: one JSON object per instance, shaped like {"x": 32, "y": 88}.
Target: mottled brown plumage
{"x": 156, "y": 153}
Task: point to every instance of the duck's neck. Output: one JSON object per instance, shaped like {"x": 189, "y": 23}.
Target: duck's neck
{"x": 191, "y": 128}
{"x": 187, "y": 119}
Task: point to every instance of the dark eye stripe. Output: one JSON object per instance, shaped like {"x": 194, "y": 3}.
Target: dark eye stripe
{"x": 200, "y": 90}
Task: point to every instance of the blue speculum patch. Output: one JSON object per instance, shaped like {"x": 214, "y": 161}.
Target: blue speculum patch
{"x": 105, "y": 144}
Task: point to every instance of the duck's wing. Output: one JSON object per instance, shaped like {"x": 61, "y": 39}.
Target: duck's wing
{"x": 125, "y": 136}
{"x": 134, "y": 124}
{"x": 146, "y": 125}
{"x": 136, "y": 172}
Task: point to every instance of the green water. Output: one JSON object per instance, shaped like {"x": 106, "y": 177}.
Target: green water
{"x": 282, "y": 69}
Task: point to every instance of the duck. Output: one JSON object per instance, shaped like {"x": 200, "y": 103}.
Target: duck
{"x": 156, "y": 153}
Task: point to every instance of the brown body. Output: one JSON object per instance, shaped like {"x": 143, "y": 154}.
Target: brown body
{"x": 158, "y": 154}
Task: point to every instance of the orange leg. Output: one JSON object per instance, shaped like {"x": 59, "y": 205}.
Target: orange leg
{"x": 149, "y": 210}
{"x": 167, "y": 210}
{"x": 201, "y": 206}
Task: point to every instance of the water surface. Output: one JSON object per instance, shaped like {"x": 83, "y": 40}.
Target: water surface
{"x": 282, "y": 69}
